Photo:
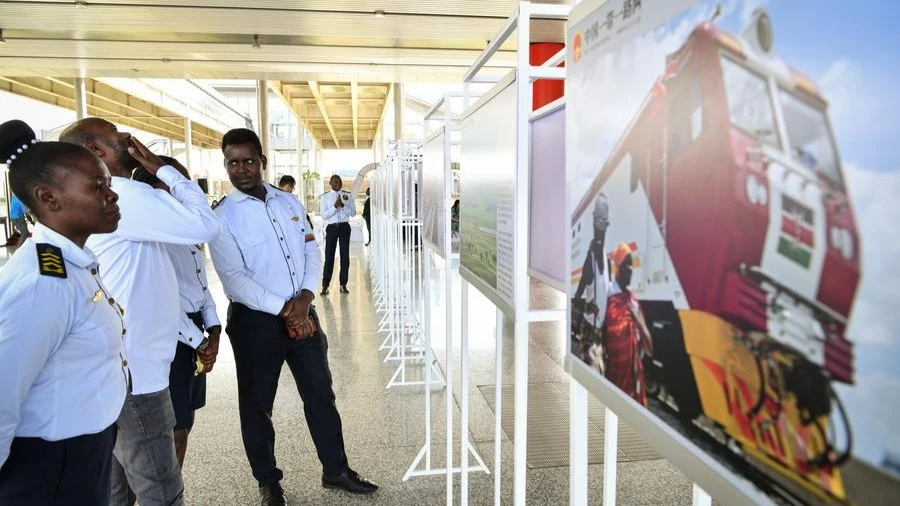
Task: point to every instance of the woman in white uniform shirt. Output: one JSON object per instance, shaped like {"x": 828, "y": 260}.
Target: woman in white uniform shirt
{"x": 64, "y": 375}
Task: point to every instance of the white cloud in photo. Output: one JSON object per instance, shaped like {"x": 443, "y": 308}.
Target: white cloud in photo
{"x": 875, "y": 319}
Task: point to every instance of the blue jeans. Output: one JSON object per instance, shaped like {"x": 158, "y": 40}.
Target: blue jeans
{"x": 145, "y": 467}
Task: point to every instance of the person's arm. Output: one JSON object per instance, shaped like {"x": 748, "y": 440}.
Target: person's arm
{"x": 229, "y": 264}
{"x": 312, "y": 272}
{"x": 188, "y": 333}
{"x": 184, "y": 217}
{"x": 587, "y": 274}
{"x": 326, "y": 207}
{"x": 27, "y": 343}
{"x": 208, "y": 311}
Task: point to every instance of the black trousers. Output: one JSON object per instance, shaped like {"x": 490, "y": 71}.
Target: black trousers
{"x": 188, "y": 392}
{"x": 368, "y": 229}
{"x": 261, "y": 346}
{"x": 334, "y": 233}
{"x": 70, "y": 472}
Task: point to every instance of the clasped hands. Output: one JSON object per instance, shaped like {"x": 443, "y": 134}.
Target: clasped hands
{"x": 295, "y": 313}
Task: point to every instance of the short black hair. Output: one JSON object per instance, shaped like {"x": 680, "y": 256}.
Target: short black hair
{"x": 35, "y": 163}
{"x": 287, "y": 179}
{"x": 241, "y": 136}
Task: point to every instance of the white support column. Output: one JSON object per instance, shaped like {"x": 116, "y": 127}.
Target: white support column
{"x": 188, "y": 142}
{"x": 262, "y": 106}
{"x": 610, "y": 457}
{"x": 298, "y": 172}
{"x": 80, "y": 99}
{"x": 399, "y": 102}
{"x": 578, "y": 444}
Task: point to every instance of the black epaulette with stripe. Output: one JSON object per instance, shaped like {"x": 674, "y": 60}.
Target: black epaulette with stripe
{"x": 50, "y": 260}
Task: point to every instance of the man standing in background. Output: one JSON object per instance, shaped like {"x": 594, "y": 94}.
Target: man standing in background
{"x": 337, "y": 207}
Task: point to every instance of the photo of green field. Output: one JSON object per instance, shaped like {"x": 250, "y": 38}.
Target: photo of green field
{"x": 478, "y": 231}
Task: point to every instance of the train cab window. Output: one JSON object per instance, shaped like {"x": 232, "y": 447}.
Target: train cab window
{"x": 749, "y": 105}
{"x": 809, "y": 137}
{"x": 685, "y": 115}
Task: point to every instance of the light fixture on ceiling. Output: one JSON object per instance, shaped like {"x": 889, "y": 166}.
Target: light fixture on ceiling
{"x": 379, "y": 13}
{"x": 2, "y": 40}
{"x": 255, "y": 44}
{"x": 80, "y": 4}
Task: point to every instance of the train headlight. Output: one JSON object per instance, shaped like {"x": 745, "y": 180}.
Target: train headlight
{"x": 757, "y": 193}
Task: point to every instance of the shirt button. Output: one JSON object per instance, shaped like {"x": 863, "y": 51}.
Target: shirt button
{"x": 282, "y": 238}
{"x": 112, "y": 301}
{"x": 124, "y": 363}
{"x": 198, "y": 271}
{"x": 94, "y": 271}
{"x": 289, "y": 257}
{"x": 123, "y": 332}
{"x": 204, "y": 288}
{"x": 193, "y": 252}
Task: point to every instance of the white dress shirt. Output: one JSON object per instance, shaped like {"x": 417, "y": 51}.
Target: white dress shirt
{"x": 193, "y": 289}
{"x": 333, "y": 215}
{"x": 138, "y": 271}
{"x": 63, "y": 371}
{"x": 267, "y": 253}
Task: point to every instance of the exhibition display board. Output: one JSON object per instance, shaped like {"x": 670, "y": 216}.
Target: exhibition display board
{"x": 487, "y": 193}
{"x": 716, "y": 242}
{"x": 547, "y": 205}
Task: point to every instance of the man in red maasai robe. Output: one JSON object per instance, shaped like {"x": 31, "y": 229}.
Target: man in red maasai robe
{"x": 627, "y": 336}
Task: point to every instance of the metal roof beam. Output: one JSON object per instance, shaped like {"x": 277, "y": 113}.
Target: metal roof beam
{"x": 314, "y": 88}
{"x": 354, "y": 104}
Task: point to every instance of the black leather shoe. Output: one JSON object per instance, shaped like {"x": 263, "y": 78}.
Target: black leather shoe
{"x": 271, "y": 495}
{"x": 344, "y": 289}
{"x": 351, "y": 482}
{"x": 324, "y": 291}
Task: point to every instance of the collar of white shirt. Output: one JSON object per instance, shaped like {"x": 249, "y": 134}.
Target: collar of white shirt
{"x": 82, "y": 257}
{"x": 271, "y": 191}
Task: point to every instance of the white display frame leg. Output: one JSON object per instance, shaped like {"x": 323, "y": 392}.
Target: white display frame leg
{"x": 610, "y": 456}
{"x": 578, "y": 444}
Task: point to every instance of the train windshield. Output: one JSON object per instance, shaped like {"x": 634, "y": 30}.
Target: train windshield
{"x": 749, "y": 103}
{"x": 809, "y": 137}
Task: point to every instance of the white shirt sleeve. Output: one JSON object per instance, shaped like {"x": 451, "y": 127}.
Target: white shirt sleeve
{"x": 312, "y": 270}
{"x": 27, "y": 343}
{"x": 229, "y": 264}
{"x": 184, "y": 217}
{"x": 326, "y": 207}
{"x": 188, "y": 333}
{"x": 210, "y": 318}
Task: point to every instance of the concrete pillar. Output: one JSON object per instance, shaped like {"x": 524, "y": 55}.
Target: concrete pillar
{"x": 188, "y": 141}
{"x": 298, "y": 172}
{"x": 80, "y": 99}
{"x": 399, "y": 101}
{"x": 262, "y": 105}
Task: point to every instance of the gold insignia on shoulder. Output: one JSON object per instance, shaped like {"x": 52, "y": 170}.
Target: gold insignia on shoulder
{"x": 50, "y": 260}
{"x": 98, "y": 296}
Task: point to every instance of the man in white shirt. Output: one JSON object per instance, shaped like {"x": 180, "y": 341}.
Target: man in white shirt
{"x": 268, "y": 261}
{"x": 337, "y": 207}
{"x": 593, "y": 291}
{"x": 136, "y": 267}
{"x": 195, "y": 354}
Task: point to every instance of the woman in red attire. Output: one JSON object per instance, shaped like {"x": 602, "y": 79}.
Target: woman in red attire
{"x": 627, "y": 335}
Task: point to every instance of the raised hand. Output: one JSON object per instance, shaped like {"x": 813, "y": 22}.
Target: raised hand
{"x": 145, "y": 157}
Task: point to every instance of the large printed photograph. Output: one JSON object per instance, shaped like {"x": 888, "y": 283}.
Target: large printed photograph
{"x": 733, "y": 235}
